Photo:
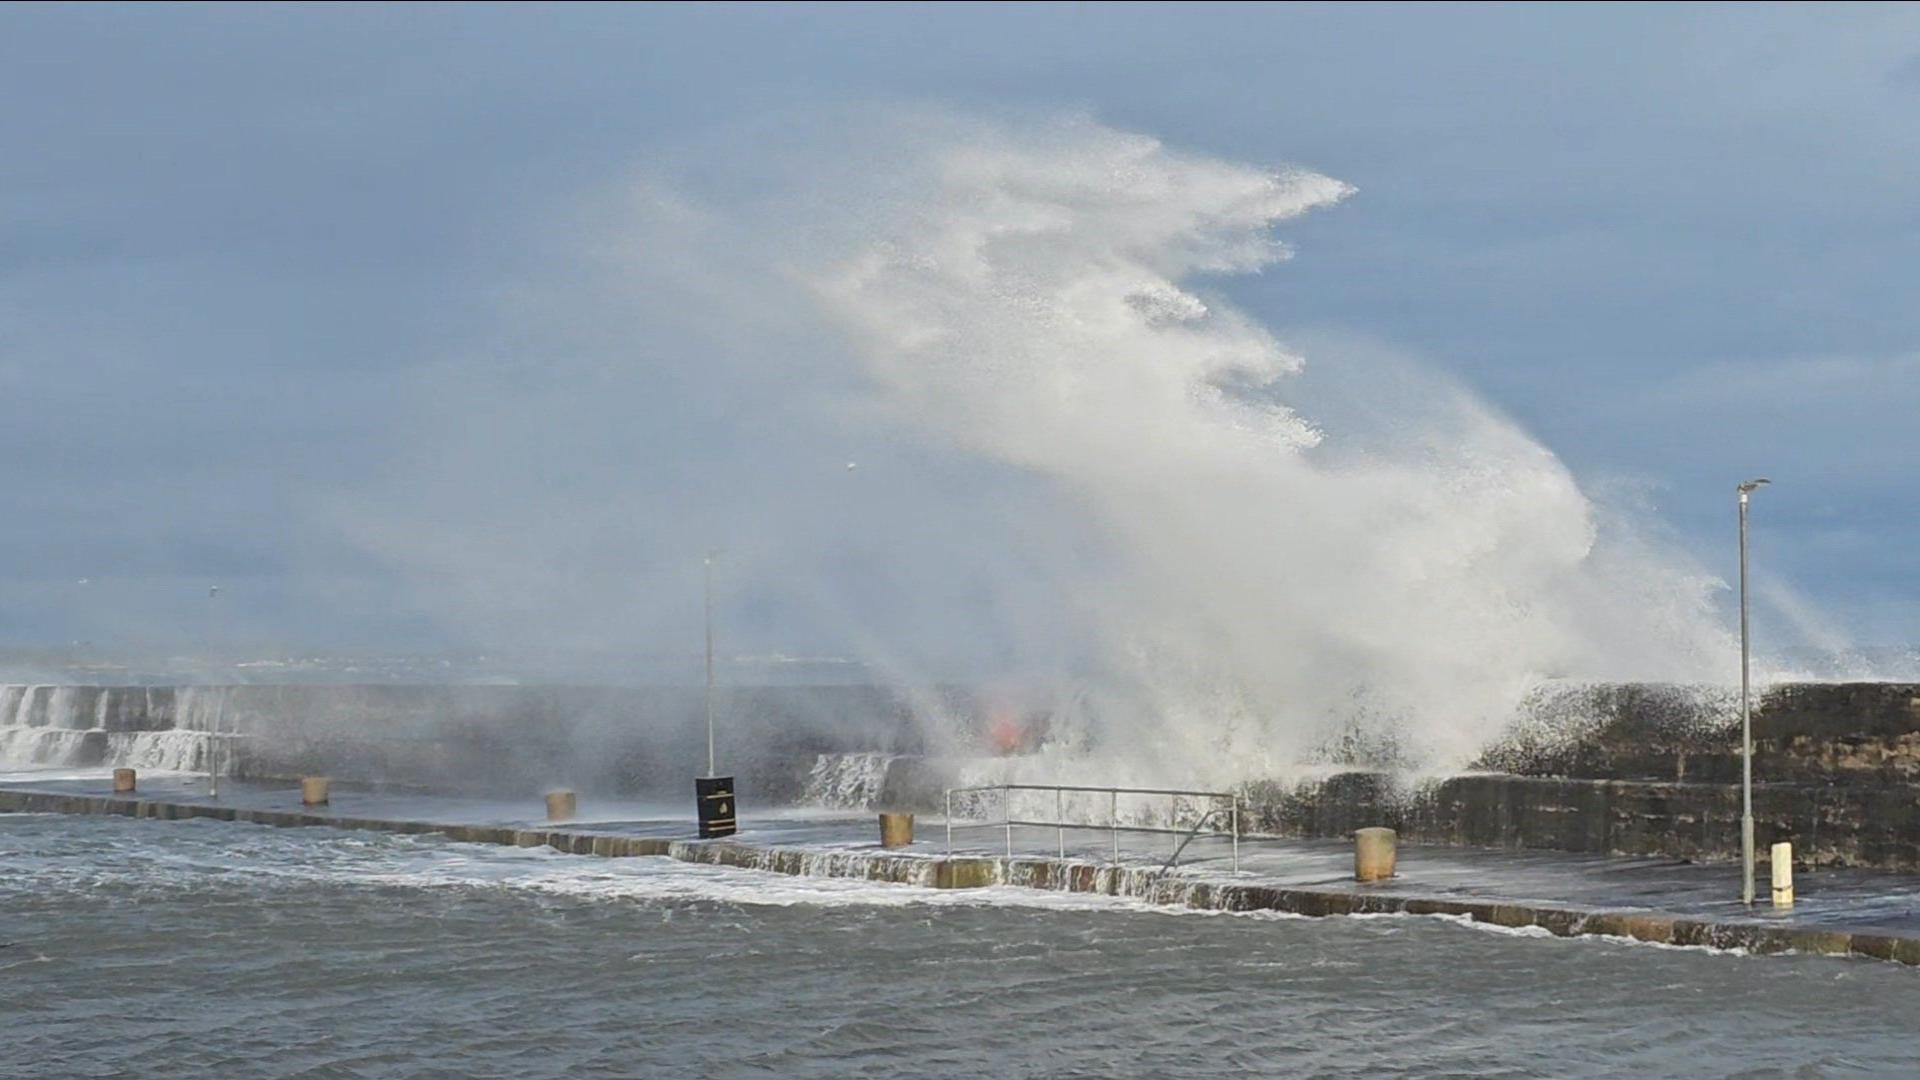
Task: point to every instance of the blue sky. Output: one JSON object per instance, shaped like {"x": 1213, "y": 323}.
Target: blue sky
{"x": 1677, "y": 244}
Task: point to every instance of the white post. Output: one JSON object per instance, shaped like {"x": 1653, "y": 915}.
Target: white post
{"x": 1782, "y": 867}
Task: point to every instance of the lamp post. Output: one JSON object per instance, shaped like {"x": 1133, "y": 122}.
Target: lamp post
{"x": 714, "y": 801}
{"x": 1746, "y": 488}
{"x": 81, "y": 644}
{"x": 220, "y": 706}
{"x": 707, "y": 599}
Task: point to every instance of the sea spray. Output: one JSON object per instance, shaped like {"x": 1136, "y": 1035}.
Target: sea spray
{"x": 1043, "y": 302}
{"x": 1086, "y": 468}
{"x": 847, "y": 781}
{"x": 160, "y": 728}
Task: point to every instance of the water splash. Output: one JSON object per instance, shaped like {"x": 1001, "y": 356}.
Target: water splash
{"x": 1042, "y": 301}
{"x": 846, "y": 781}
{"x": 1086, "y": 466}
{"x": 91, "y": 726}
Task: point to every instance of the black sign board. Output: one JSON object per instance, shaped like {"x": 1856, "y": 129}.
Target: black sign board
{"x": 715, "y": 797}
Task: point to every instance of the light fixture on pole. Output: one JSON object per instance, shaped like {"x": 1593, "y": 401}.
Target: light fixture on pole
{"x": 1746, "y": 489}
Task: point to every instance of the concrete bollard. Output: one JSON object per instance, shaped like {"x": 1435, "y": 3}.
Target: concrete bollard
{"x": 1782, "y": 866}
{"x": 1373, "y": 854}
{"x": 896, "y": 830}
{"x": 122, "y": 781}
{"x": 313, "y": 791}
{"x": 562, "y": 805}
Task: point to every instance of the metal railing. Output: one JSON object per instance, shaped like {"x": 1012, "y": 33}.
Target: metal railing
{"x": 1225, "y": 803}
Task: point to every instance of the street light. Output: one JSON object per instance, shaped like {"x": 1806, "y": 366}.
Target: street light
{"x": 220, "y": 707}
{"x": 716, "y": 808}
{"x": 707, "y": 598}
{"x": 81, "y": 643}
{"x": 1746, "y": 488}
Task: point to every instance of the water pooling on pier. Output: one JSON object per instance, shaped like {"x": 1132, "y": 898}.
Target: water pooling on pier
{"x": 202, "y": 946}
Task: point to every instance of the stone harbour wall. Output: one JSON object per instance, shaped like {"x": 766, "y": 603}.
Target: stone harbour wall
{"x": 1647, "y": 770}
{"x": 1829, "y": 825}
{"x": 1638, "y": 769}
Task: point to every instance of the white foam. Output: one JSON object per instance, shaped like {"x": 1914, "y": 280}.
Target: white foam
{"x": 846, "y": 781}
{"x": 1542, "y": 932}
{"x": 198, "y": 851}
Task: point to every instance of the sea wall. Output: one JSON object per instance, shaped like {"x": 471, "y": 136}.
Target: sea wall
{"x": 1829, "y": 825}
{"x": 1629, "y": 769}
{"x": 1645, "y": 770}
{"x": 496, "y": 739}
{"x": 1810, "y": 733}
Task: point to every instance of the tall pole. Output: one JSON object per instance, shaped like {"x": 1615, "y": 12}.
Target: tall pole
{"x": 1745, "y": 489}
{"x": 707, "y": 593}
{"x": 81, "y": 644}
{"x": 213, "y": 727}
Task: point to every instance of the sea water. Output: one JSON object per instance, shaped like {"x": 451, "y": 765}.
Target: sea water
{"x": 209, "y": 948}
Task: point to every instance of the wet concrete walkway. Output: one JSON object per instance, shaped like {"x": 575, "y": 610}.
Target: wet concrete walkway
{"x": 1837, "y": 911}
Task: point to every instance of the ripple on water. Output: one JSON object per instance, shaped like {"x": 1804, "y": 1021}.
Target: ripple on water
{"x": 215, "y": 947}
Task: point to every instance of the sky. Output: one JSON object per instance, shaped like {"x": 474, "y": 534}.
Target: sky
{"x": 245, "y": 249}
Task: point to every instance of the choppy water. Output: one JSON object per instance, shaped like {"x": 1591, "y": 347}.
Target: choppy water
{"x": 207, "y": 948}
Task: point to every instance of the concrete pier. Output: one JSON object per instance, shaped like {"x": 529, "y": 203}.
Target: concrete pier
{"x": 123, "y": 781}
{"x": 1854, "y": 913}
{"x": 562, "y": 805}
{"x": 314, "y": 790}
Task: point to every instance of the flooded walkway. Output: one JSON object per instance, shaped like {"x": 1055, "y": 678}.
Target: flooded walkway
{"x": 1838, "y": 911}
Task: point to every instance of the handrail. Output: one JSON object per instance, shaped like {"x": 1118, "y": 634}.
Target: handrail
{"x": 1174, "y": 859}
{"x": 1060, "y": 824}
{"x": 1072, "y": 787}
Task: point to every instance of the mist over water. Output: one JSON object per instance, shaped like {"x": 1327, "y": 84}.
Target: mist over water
{"x": 969, "y": 400}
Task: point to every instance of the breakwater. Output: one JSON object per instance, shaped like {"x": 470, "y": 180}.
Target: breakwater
{"x": 1645, "y": 771}
{"x": 1144, "y": 882}
{"x": 1613, "y": 769}
{"x": 625, "y": 740}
